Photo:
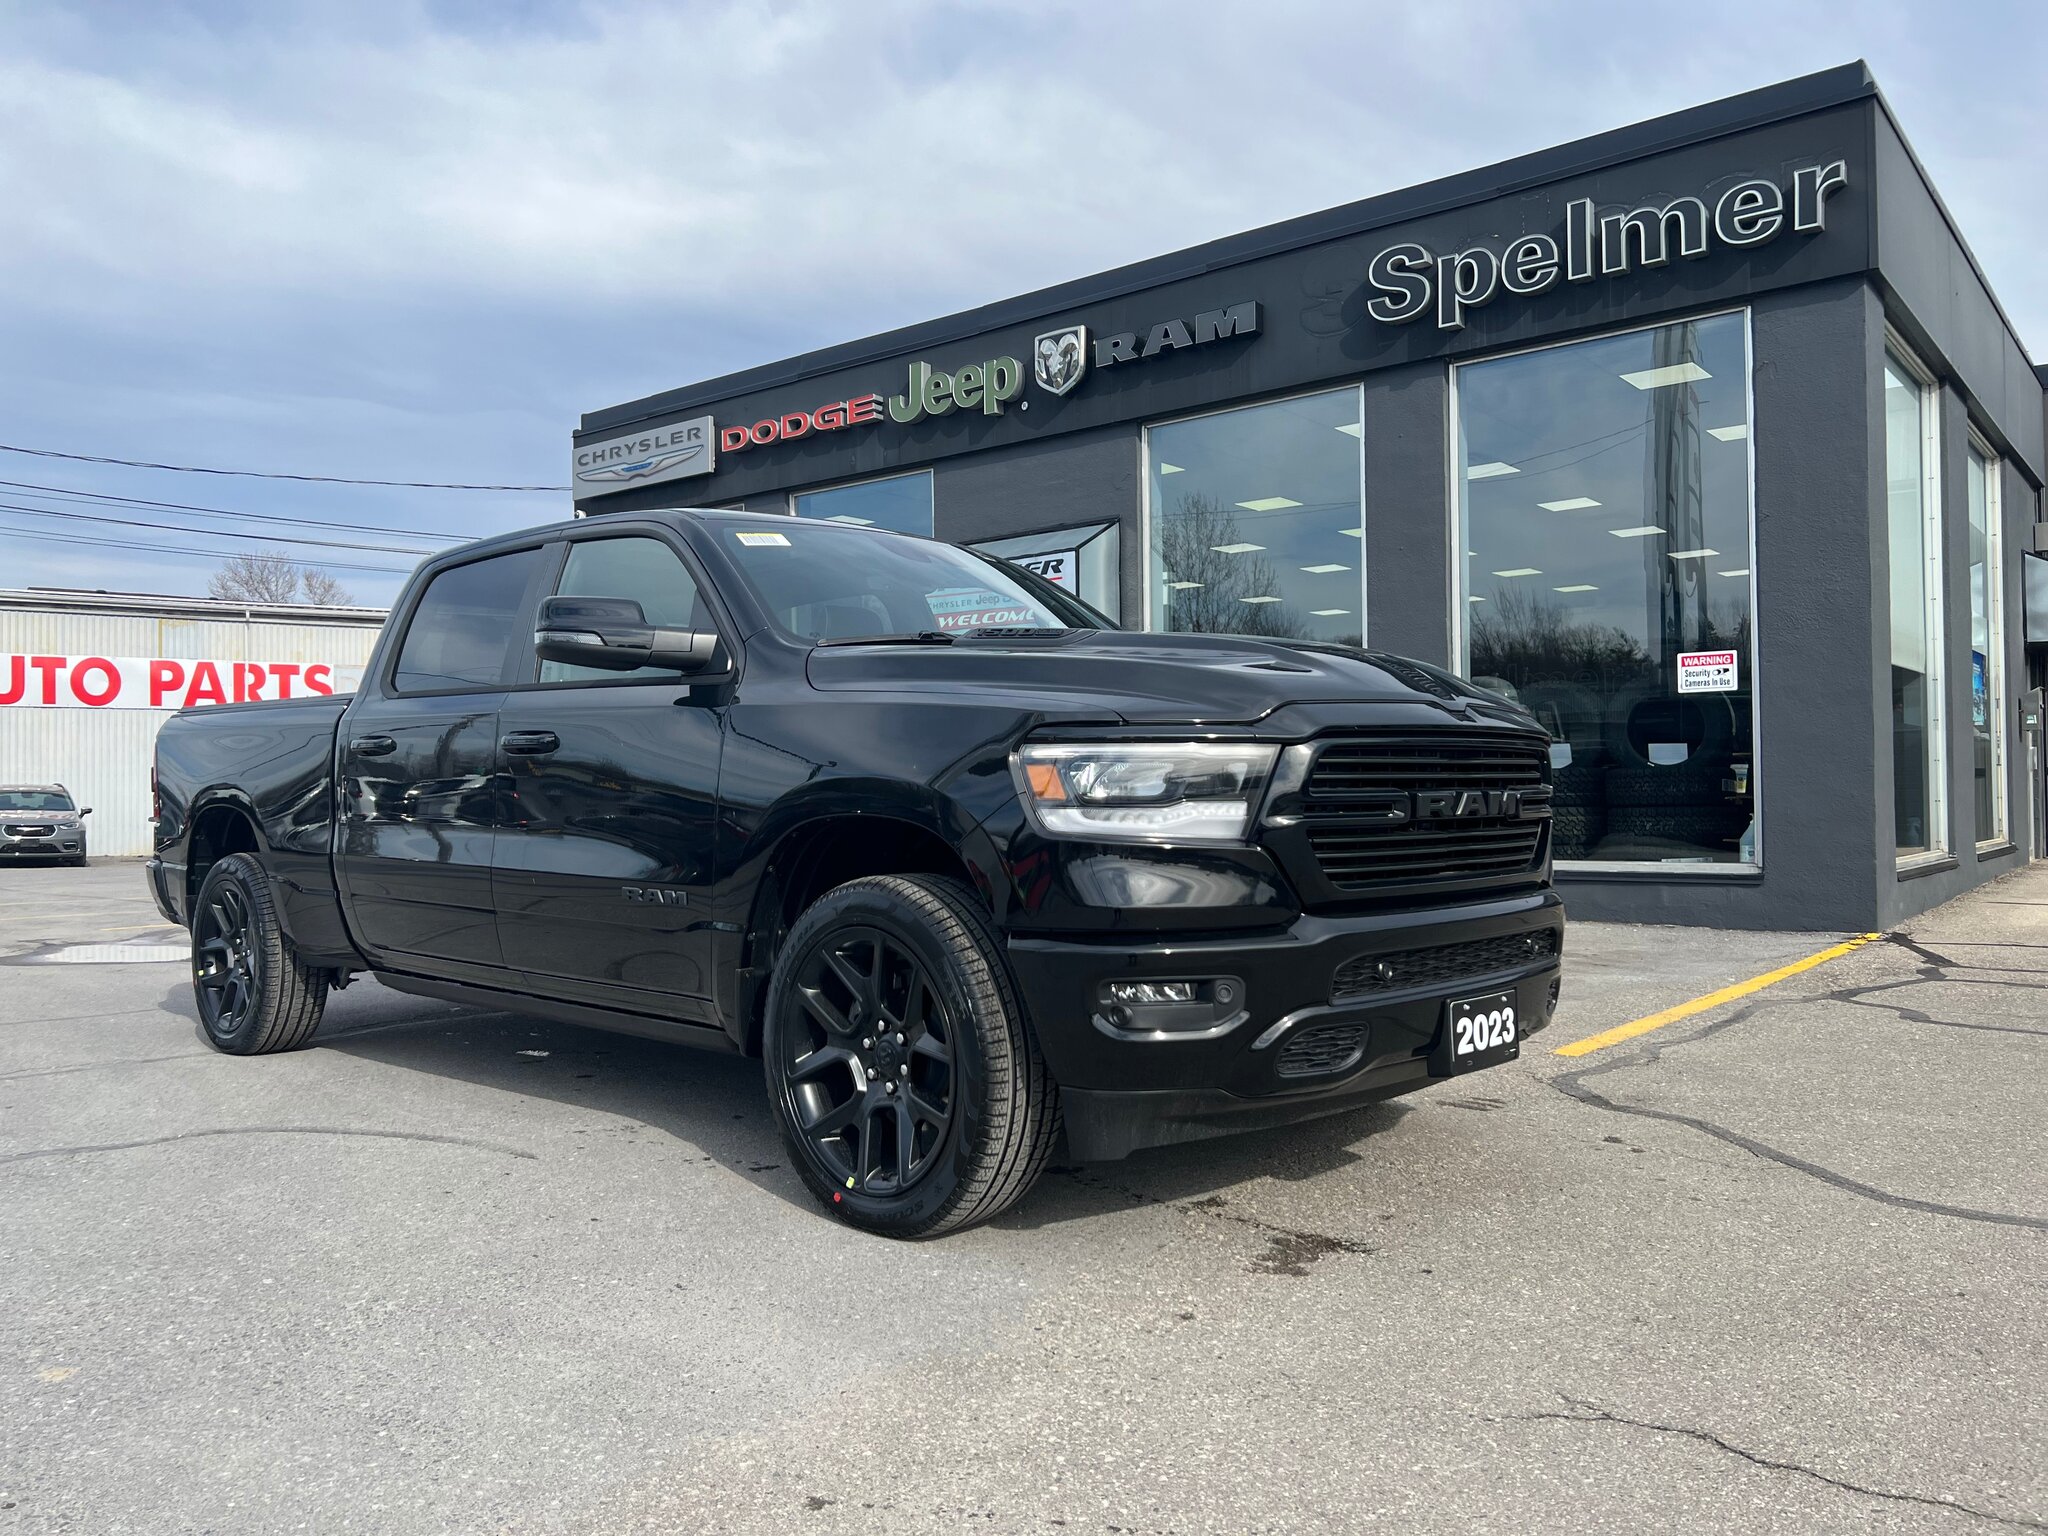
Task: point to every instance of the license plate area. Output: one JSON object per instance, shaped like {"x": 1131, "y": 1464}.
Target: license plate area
{"x": 1478, "y": 1032}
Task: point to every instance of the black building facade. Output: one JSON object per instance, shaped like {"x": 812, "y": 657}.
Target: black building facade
{"x": 1705, "y": 438}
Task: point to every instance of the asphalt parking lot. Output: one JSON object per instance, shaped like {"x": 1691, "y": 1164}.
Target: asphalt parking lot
{"x": 1781, "y": 1265}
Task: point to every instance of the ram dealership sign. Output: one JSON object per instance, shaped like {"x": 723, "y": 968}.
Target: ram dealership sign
{"x": 1410, "y": 281}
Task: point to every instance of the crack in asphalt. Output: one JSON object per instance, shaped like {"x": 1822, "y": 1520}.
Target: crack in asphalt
{"x": 270, "y": 1130}
{"x": 1572, "y": 1085}
{"x": 1593, "y": 1413}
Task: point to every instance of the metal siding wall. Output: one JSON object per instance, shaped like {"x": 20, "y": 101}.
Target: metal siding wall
{"x": 103, "y": 756}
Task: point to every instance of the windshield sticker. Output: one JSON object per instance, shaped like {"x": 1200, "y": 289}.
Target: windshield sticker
{"x": 759, "y": 540}
{"x": 979, "y": 608}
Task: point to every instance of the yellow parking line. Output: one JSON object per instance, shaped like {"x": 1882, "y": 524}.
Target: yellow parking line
{"x": 1651, "y": 1021}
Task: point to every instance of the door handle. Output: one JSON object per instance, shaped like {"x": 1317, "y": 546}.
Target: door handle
{"x": 372, "y": 746}
{"x": 530, "y": 743}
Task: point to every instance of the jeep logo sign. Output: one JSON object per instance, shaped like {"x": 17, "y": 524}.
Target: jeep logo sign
{"x": 1410, "y": 281}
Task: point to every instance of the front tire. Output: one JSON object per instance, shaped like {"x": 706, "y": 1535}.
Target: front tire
{"x": 254, "y": 995}
{"x": 901, "y": 1068}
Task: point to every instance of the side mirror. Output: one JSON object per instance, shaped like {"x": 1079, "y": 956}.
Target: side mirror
{"x": 613, "y": 634}
{"x": 86, "y": 812}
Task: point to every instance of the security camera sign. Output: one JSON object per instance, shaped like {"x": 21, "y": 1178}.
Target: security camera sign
{"x": 1707, "y": 672}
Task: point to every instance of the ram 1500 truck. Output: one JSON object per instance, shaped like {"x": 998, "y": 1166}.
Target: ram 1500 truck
{"x": 964, "y": 864}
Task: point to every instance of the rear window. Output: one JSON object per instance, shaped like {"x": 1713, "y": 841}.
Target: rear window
{"x": 463, "y": 631}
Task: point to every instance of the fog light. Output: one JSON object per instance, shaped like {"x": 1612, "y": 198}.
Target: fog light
{"x": 1137, "y": 993}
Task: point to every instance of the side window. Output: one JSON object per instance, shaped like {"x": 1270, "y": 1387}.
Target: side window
{"x": 462, "y": 631}
{"x": 645, "y": 570}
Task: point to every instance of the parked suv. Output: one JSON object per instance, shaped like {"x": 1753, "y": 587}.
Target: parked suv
{"x": 958, "y": 859}
{"x": 41, "y": 821}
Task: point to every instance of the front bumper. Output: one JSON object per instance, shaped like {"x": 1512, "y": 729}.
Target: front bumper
{"x": 59, "y": 845}
{"x": 1126, "y": 1088}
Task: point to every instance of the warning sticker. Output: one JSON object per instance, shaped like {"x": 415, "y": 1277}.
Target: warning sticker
{"x": 756, "y": 540}
{"x": 1707, "y": 672}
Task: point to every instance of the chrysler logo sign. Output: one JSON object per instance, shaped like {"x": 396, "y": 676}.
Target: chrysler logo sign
{"x": 1409, "y": 281}
{"x": 647, "y": 457}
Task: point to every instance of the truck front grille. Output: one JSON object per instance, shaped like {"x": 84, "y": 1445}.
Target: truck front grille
{"x": 1359, "y": 845}
{"x": 1440, "y": 964}
{"x": 31, "y": 831}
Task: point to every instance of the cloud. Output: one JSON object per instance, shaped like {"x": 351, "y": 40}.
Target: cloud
{"x": 416, "y": 239}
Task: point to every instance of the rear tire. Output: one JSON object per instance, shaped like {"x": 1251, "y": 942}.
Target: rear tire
{"x": 254, "y": 995}
{"x": 901, "y": 1068}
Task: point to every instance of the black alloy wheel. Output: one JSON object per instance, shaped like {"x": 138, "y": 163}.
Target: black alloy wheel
{"x": 870, "y": 1068}
{"x": 224, "y": 960}
{"x": 255, "y": 995}
{"x": 901, "y": 1066}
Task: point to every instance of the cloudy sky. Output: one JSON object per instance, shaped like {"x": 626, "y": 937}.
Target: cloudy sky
{"x": 415, "y": 241}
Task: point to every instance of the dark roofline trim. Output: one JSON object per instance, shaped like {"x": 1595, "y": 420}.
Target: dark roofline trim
{"x": 1780, "y": 102}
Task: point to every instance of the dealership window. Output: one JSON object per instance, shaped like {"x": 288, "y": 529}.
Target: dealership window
{"x": 1912, "y": 462}
{"x": 902, "y": 503}
{"x": 1987, "y": 645}
{"x": 1082, "y": 560}
{"x": 1605, "y": 533}
{"x": 1255, "y": 521}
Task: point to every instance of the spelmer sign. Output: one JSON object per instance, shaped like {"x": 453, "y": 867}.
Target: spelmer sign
{"x": 1411, "y": 281}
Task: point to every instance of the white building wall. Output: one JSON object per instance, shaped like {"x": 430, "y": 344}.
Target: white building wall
{"x": 103, "y": 756}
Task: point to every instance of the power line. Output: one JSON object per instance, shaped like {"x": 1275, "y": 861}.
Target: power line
{"x": 217, "y": 533}
{"x": 259, "y": 474}
{"x": 198, "y": 554}
{"x": 40, "y": 492}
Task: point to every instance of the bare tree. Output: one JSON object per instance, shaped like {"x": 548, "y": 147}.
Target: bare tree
{"x": 274, "y": 579}
{"x": 1207, "y": 598}
{"x": 319, "y": 587}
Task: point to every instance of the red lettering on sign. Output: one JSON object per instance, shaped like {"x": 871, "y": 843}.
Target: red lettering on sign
{"x": 863, "y": 408}
{"x": 319, "y": 679}
{"x": 831, "y": 418}
{"x": 205, "y": 687}
{"x": 85, "y": 692}
{"x": 164, "y": 677}
{"x": 762, "y": 431}
{"x": 796, "y": 424}
{"x": 284, "y": 672}
{"x": 732, "y": 439}
{"x": 248, "y": 682}
{"x": 49, "y": 666}
{"x": 17, "y": 680}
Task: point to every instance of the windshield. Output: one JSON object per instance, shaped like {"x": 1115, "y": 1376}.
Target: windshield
{"x": 845, "y": 584}
{"x": 34, "y": 800}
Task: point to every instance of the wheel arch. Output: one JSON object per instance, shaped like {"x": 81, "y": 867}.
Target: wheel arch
{"x": 810, "y": 854}
{"x": 222, "y": 821}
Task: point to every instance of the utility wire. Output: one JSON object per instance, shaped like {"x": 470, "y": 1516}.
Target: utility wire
{"x": 217, "y": 533}
{"x": 198, "y": 554}
{"x": 259, "y": 474}
{"x": 38, "y": 492}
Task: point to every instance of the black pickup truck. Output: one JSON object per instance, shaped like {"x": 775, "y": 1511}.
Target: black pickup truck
{"x": 967, "y": 866}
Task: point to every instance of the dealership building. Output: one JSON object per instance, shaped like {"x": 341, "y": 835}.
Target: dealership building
{"x": 1705, "y": 438}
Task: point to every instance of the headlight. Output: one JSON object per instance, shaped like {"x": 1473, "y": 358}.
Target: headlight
{"x": 1177, "y": 792}
{"x": 69, "y": 826}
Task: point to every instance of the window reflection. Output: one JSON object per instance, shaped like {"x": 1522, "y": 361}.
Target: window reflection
{"x": 1915, "y": 603}
{"x": 1987, "y": 648}
{"x": 1256, "y": 521}
{"x": 1604, "y": 487}
{"x": 901, "y": 503}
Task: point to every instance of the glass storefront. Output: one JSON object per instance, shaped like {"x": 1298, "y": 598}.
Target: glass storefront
{"x": 1083, "y": 560}
{"x": 1913, "y": 522}
{"x": 1987, "y": 647}
{"x": 1604, "y": 529}
{"x": 1255, "y": 521}
{"x": 902, "y": 503}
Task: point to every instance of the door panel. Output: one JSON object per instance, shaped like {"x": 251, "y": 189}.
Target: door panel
{"x": 417, "y": 823}
{"x": 603, "y": 870}
{"x": 419, "y": 773}
{"x": 604, "y": 866}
